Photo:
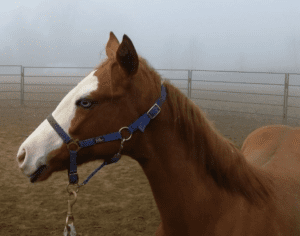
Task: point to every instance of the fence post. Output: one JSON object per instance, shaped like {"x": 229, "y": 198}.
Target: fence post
{"x": 286, "y": 96}
{"x": 190, "y": 84}
{"x": 22, "y": 85}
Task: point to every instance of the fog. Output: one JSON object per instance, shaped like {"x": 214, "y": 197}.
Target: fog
{"x": 207, "y": 35}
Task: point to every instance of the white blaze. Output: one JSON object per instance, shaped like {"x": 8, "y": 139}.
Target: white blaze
{"x": 44, "y": 139}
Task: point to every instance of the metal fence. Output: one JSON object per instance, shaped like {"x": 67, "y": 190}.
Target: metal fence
{"x": 25, "y": 75}
{"x": 18, "y": 68}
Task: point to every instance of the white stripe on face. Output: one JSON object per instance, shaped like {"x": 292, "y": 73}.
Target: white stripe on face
{"x": 44, "y": 139}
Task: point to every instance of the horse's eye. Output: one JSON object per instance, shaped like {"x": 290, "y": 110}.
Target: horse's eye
{"x": 85, "y": 103}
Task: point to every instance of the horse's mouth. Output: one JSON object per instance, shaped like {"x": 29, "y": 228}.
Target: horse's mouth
{"x": 34, "y": 177}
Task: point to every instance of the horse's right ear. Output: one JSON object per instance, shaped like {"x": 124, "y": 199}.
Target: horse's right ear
{"x": 127, "y": 56}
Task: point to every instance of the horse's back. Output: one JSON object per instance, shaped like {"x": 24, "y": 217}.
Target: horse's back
{"x": 286, "y": 158}
{"x": 262, "y": 144}
{"x": 276, "y": 149}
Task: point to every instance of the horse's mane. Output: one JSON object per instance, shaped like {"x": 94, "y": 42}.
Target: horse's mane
{"x": 217, "y": 155}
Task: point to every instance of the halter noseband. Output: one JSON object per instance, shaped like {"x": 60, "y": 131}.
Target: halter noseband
{"x": 140, "y": 124}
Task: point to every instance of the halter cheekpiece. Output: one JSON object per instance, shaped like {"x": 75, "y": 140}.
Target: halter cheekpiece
{"x": 139, "y": 124}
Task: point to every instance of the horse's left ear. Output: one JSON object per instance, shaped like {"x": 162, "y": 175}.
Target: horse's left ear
{"x": 112, "y": 45}
{"x": 127, "y": 56}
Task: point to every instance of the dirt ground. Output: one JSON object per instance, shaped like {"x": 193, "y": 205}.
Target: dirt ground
{"x": 117, "y": 201}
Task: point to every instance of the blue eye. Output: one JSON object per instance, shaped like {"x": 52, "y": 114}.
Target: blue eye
{"x": 85, "y": 103}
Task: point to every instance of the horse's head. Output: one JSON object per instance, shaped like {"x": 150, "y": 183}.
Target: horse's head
{"x": 112, "y": 96}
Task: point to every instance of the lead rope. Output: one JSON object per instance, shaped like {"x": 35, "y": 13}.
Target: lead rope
{"x": 69, "y": 227}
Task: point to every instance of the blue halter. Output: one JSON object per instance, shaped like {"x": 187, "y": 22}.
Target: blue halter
{"x": 140, "y": 124}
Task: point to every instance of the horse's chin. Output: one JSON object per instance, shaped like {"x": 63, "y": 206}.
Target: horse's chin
{"x": 43, "y": 172}
{"x": 40, "y": 174}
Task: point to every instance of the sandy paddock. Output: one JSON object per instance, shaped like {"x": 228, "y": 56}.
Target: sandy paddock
{"x": 117, "y": 201}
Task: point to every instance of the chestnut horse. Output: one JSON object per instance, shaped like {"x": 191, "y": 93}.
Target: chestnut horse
{"x": 202, "y": 184}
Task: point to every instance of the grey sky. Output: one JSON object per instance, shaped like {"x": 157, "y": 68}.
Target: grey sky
{"x": 208, "y": 34}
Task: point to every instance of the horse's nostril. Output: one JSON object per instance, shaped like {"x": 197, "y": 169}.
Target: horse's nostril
{"x": 21, "y": 158}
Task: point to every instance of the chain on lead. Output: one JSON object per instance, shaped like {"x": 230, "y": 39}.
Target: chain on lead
{"x": 118, "y": 155}
{"x": 121, "y": 146}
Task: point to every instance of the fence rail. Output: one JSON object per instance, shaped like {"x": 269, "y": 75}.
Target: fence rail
{"x": 23, "y": 75}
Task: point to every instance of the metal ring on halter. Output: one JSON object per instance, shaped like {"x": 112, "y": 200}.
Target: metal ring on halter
{"x": 77, "y": 186}
{"x": 75, "y": 141}
{"x": 126, "y": 139}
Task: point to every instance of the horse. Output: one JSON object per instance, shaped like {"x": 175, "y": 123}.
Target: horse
{"x": 201, "y": 182}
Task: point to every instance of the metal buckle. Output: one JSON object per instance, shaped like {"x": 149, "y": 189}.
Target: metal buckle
{"x": 73, "y": 178}
{"x": 99, "y": 139}
{"x": 75, "y": 141}
{"x": 148, "y": 112}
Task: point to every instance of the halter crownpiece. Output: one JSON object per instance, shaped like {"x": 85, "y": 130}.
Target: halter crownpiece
{"x": 139, "y": 124}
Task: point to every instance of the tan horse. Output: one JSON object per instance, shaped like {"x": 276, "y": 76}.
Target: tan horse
{"x": 202, "y": 184}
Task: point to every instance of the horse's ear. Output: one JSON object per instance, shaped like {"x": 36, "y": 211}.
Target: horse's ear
{"x": 112, "y": 45}
{"x": 127, "y": 56}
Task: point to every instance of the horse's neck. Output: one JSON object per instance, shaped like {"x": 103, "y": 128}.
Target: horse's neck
{"x": 187, "y": 199}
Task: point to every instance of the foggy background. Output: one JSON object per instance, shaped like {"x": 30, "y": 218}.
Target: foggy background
{"x": 216, "y": 35}
{"x": 206, "y": 35}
